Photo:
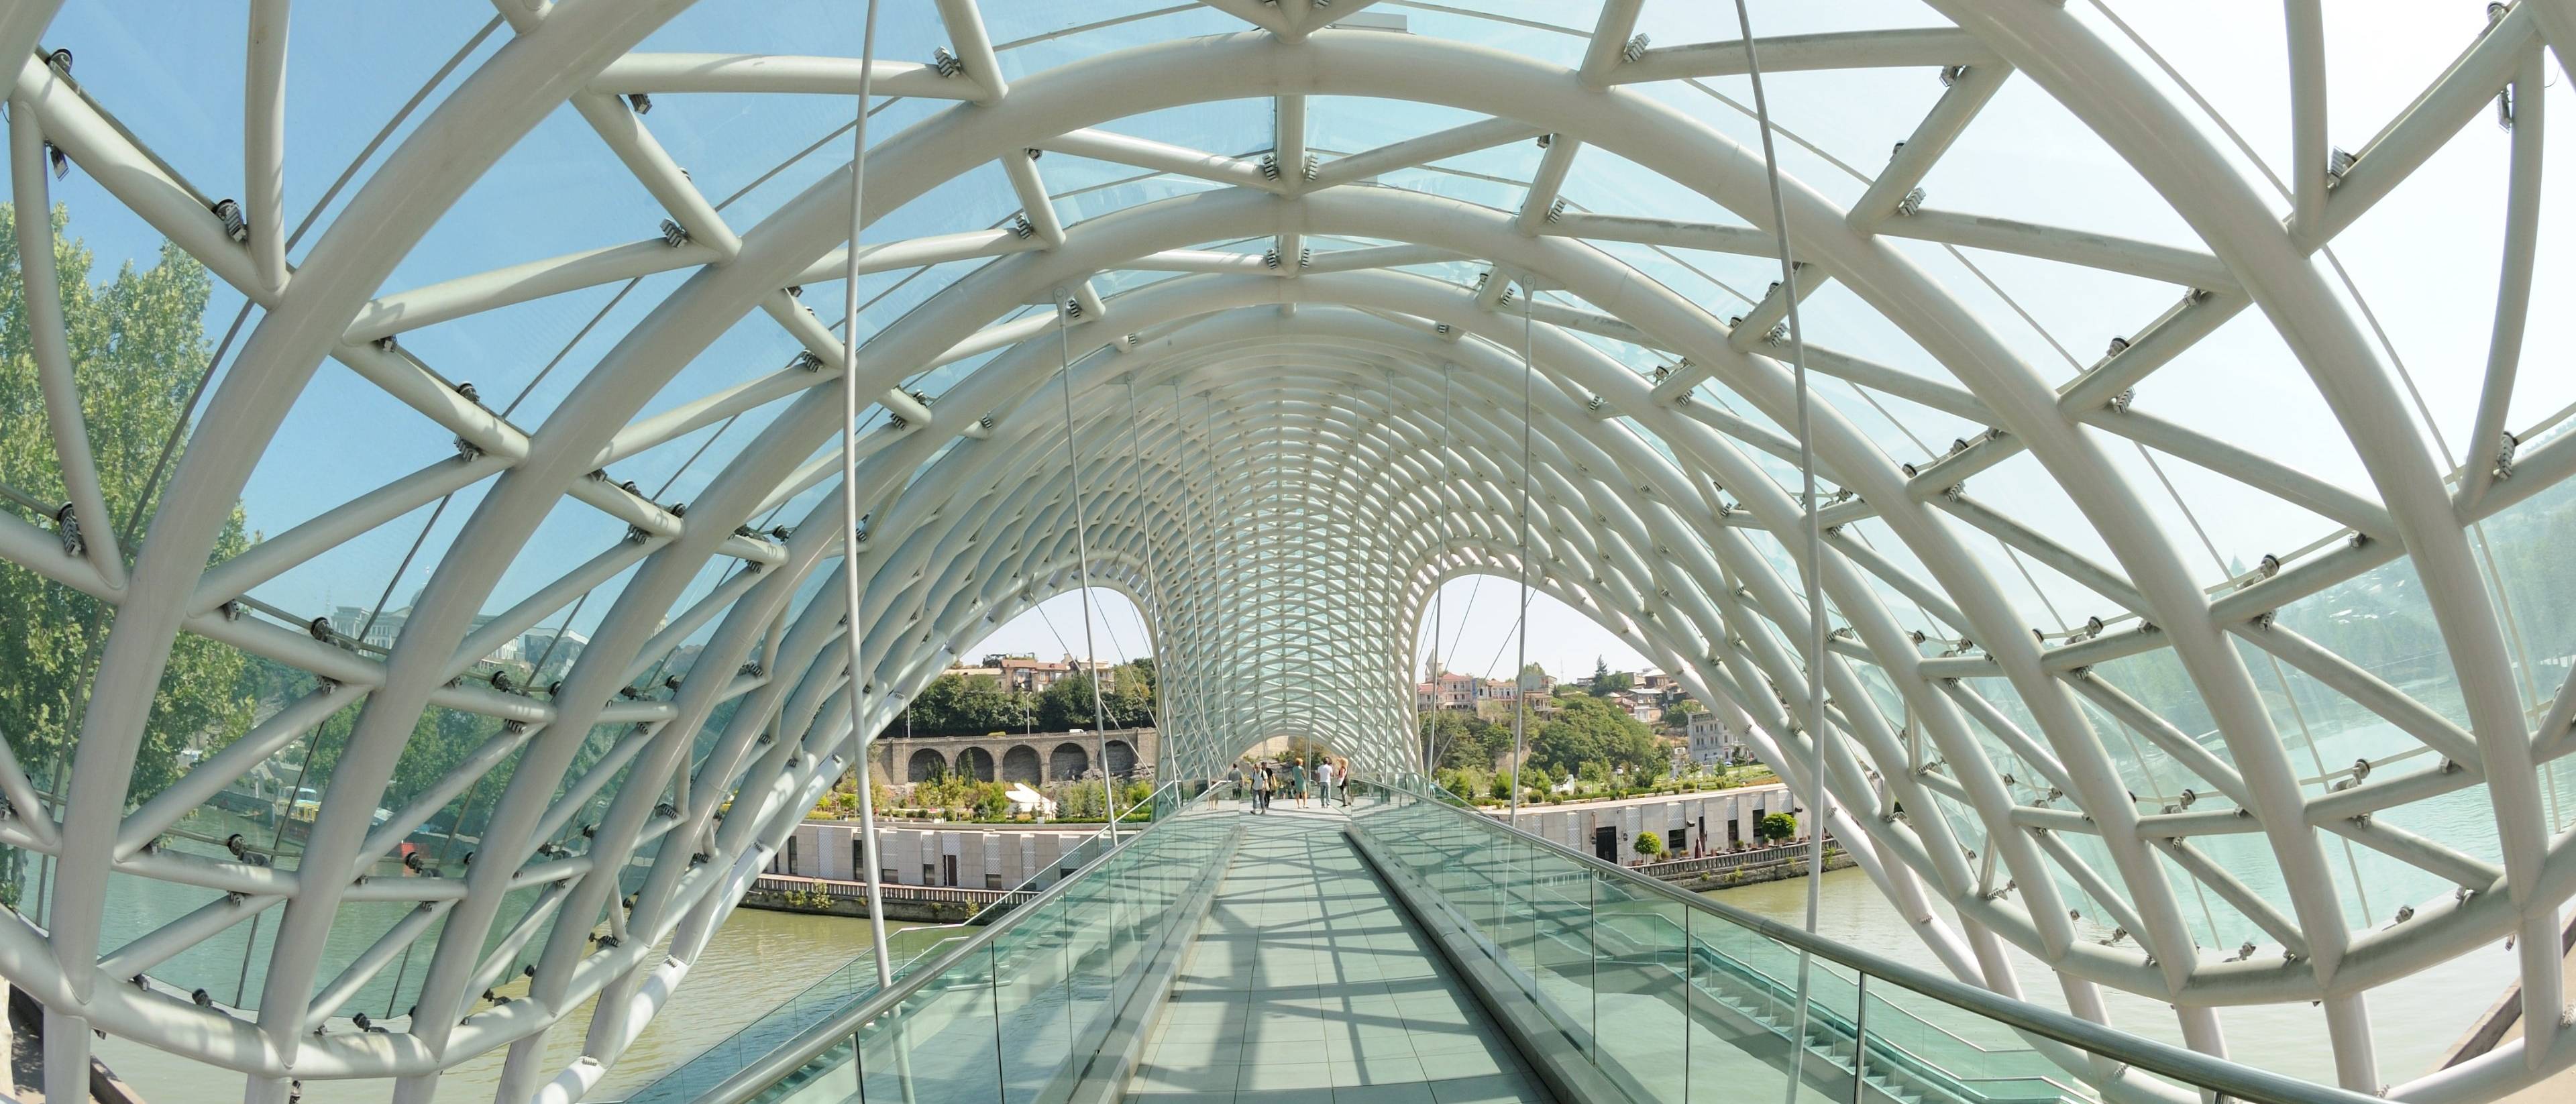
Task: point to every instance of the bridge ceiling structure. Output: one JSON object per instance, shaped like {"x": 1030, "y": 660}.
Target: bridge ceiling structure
{"x": 2224, "y": 667}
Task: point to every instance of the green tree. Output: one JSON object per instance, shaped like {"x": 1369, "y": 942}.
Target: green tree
{"x": 990, "y": 804}
{"x": 1130, "y": 700}
{"x": 1649, "y": 845}
{"x": 1775, "y": 827}
{"x": 1465, "y": 740}
{"x": 1606, "y": 682}
{"x": 1126, "y": 703}
{"x": 137, "y": 342}
{"x": 1587, "y": 729}
{"x": 984, "y": 706}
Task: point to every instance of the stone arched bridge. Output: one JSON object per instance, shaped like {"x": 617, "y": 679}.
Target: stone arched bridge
{"x": 1033, "y": 758}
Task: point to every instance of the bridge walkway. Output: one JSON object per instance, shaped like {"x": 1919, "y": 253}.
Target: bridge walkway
{"x": 1420, "y": 952}
{"x": 1308, "y": 984}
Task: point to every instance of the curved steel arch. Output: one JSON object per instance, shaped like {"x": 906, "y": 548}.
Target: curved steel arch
{"x": 1283, "y": 516}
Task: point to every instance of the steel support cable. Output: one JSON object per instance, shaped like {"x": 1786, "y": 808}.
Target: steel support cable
{"x": 1153, "y": 578}
{"x": 1439, "y": 589}
{"x": 1082, "y": 564}
{"x": 1195, "y": 697}
{"x": 855, "y": 638}
{"x": 1814, "y": 562}
{"x": 1520, "y": 629}
{"x": 1475, "y": 590}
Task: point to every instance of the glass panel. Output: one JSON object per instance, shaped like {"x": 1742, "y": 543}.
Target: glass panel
{"x": 1033, "y": 995}
{"x": 1640, "y": 984}
{"x": 1672, "y": 1001}
{"x": 939, "y": 1044}
{"x": 1052, "y": 982}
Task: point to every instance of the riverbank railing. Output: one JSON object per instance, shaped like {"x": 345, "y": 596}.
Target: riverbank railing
{"x": 840, "y": 889}
{"x": 1657, "y": 994}
{"x": 1734, "y": 860}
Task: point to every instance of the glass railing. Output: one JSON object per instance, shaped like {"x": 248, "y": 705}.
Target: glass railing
{"x": 1657, "y": 994}
{"x": 852, "y": 981}
{"x": 1050, "y": 977}
{"x": 856, "y": 979}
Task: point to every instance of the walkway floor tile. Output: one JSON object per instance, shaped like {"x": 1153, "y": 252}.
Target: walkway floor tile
{"x": 1307, "y": 984}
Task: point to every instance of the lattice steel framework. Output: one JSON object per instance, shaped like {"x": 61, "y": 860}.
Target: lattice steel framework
{"x": 1300, "y": 425}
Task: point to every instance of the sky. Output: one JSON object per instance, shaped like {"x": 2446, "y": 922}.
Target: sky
{"x": 559, "y": 191}
{"x": 1475, "y": 632}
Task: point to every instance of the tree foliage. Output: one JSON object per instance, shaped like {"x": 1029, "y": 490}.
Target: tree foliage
{"x": 137, "y": 343}
{"x": 1465, "y": 740}
{"x": 1126, "y": 702}
{"x": 954, "y": 704}
{"x": 1776, "y": 827}
{"x": 1606, "y": 682}
{"x": 1587, "y": 730}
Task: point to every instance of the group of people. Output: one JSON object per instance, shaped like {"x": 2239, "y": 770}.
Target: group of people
{"x": 1262, "y": 782}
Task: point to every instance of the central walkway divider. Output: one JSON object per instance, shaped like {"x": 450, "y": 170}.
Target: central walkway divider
{"x": 1017, "y": 1011}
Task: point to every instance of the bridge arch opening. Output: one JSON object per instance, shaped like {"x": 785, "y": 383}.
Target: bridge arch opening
{"x": 1021, "y": 764}
{"x": 1067, "y": 761}
{"x": 1466, "y": 646}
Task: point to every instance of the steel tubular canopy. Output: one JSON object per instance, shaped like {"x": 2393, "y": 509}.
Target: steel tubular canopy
{"x": 2223, "y": 668}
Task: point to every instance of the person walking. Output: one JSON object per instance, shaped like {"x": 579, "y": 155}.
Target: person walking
{"x": 1297, "y": 781}
{"x": 1324, "y": 782}
{"x": 1344, "y": 777}
{"x": 1261, "y": 784}
{"x": 1234, "y": 777}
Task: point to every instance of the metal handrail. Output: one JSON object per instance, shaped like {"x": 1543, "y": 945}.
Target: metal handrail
{"x": 791, "y": 1055}
{"x": 2188, "y": 1067}
{"x": 984, "y": 917}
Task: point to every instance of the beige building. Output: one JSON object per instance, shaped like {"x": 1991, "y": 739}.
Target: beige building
{"x": 972, "y": 856}
{"x": 1711, "y": 822}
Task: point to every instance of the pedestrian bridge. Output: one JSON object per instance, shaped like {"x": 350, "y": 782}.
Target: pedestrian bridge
{"x": 1405, "y": 949}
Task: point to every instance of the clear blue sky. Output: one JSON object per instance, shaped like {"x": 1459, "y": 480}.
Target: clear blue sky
{"x": 171, "y": 70}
